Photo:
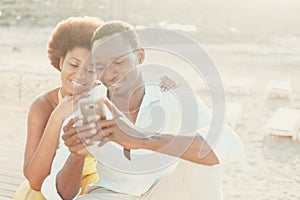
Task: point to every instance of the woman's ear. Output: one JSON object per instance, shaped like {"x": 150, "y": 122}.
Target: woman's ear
{"x": 141, "y": 55}
{"x": 61, "y": 62}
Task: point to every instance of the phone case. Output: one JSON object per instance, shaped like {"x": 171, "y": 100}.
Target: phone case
{"x": 92, "y": 109}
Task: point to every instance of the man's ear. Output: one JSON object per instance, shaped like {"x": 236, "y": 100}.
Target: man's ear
{"x": 141, "y": 55}
{"x": 61, "y": 62}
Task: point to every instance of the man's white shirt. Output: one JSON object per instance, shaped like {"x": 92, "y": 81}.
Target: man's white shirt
{"x": 160, "y": 112}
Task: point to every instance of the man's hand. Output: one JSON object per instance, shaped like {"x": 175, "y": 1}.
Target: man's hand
{"x": 72, "y": 139}
{"x": 167, "y": 83}
{"x": 119, "y": 130}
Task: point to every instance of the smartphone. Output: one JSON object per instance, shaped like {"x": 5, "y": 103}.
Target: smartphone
{"x": 92, "y": 109}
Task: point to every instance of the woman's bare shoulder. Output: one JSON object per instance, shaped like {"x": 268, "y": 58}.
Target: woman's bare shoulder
{"x": 45, "y": 102}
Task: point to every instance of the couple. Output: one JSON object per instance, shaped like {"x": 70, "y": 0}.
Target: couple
{"x": 154, "y": 172}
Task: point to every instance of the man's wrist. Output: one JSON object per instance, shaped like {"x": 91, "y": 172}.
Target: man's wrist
{"x": 157, "y": 142}
{"x": 77, "y": 158}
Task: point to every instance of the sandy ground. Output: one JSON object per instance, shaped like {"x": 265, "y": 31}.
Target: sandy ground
{"x": 271, "y": 166}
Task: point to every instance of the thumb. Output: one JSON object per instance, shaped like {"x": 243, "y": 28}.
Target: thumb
{"x": 108, "y": 104}
{"x": 103, "y": 142}
{"x": 112, "y": 107}
{"x": 96, "y": 83}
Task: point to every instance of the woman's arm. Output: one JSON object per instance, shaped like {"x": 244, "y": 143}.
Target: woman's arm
{"x": 167, "y": 83}
{"x": 42, "y": 140}
{"x": 44, "y": 123}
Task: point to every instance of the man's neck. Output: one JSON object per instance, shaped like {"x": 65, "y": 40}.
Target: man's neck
{"x": 132, "y": 100}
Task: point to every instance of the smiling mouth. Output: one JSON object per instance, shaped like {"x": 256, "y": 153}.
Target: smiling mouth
{"x": 116, "y": 84}
{"x": 77, "y": 83}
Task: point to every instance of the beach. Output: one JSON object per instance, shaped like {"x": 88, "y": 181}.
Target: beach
{"x": 271, "y": 165}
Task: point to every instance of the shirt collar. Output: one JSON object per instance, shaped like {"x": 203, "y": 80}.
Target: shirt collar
{"x": 152, "y": 94}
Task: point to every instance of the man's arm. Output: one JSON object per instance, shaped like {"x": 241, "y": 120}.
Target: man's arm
{"x": 198, "y": 146}
{"x": 185, "y": 147}
{"x": 66, "y": 172}
{"x": 191, "y": 148}
{"x": 226, "y": 148}
{"x": 68, "y": 179}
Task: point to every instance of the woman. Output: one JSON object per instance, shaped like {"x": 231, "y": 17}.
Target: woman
{"x": 68, "y": 50}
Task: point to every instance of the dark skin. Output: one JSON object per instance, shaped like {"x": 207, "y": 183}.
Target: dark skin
{"x": 108, "y": 130}
{"x": 46, "y": 116}
{"x": 40, "y": 124}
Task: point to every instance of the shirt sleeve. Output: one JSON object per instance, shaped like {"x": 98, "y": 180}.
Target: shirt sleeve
{"x": 62, "y": 154}
{"x": 49, "y": 189}
{"x": 226, "y": 144}
{"x": 49, "y": 185}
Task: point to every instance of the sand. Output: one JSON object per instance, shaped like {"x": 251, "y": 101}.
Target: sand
{"x": 271, "y": 166}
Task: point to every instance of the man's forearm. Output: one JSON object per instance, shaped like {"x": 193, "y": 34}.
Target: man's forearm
{"x": 186, "y": 147}
{"x": 68, "y": 180}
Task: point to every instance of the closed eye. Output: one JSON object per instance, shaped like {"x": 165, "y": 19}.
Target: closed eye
{"x": 99, "y": 68}
{"x": 119, "y": 61}
{"x": 91, "y": 70}
{"x": 74, "y": 65}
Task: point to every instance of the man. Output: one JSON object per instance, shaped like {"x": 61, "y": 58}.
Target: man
{"x": 150, "y": 167}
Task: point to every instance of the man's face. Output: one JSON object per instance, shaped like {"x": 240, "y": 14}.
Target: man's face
{"x": 115, "y": 63}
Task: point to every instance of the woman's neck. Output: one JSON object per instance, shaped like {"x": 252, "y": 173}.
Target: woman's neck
{"x": 63, "y": 92}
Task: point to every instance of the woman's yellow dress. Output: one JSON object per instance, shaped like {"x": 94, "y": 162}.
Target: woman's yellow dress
{"x": 89, "y": 176}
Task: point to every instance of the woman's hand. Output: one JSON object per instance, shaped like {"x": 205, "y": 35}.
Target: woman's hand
{"x": 68, "y": 105}
{"x": 166, "y": 83}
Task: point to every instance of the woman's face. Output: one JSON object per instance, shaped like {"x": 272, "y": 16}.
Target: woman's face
{"x": 74, "y": 79}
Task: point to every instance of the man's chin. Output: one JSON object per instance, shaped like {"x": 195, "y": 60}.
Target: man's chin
{"x": 118, "y": 92}
{"x": 77, "y": 91}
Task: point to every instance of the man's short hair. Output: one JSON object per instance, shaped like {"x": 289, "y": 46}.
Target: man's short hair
{"x": 114, "y": 27}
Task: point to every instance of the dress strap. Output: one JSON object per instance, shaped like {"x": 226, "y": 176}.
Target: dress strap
{"x": 59, "y": 96}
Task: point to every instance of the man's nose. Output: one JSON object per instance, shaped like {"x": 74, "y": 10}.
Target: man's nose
{"x": 81, "y": 74}
{"x": 112, "y": 73}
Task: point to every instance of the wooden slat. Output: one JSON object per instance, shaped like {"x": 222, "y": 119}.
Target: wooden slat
{"x": 9, "y": 187}
{"x": 10, "y": 180}
{"x": 11, "y": 151}
{"x": 12, "y": 147}
{"x": 5, "y": 194}
{"x": 12, "y": 173}
{"x": 12, "y": 155}
{"x": 9, "y": 163}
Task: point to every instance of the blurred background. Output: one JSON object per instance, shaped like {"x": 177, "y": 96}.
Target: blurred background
{"x": 251, "y": 43}
{"x": 236, "y": 20}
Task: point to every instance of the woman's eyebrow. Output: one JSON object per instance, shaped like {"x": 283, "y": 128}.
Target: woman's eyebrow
{"x": 74, "y": 58}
